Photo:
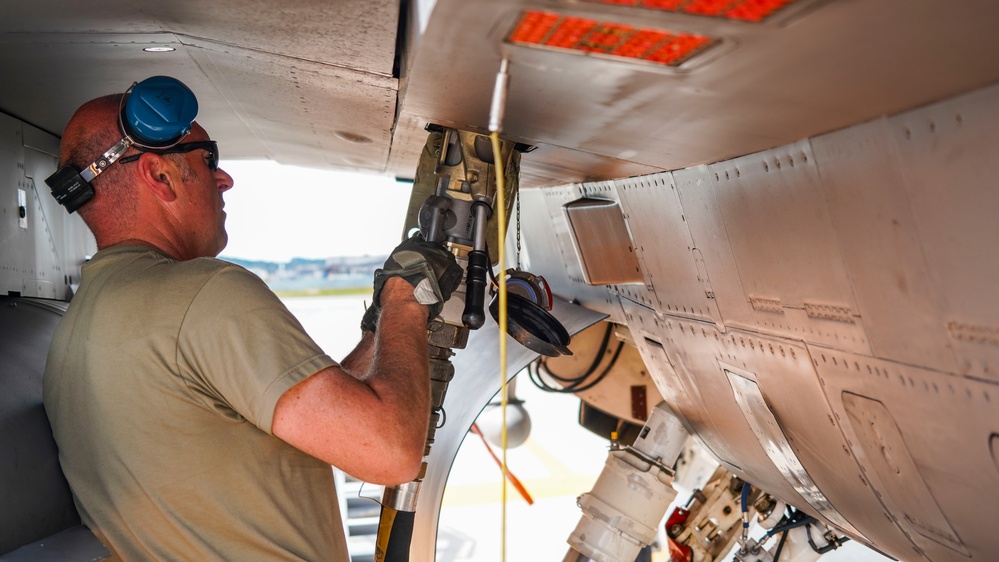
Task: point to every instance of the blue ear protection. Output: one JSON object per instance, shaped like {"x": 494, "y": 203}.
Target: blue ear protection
{"x": 159, "y": 112}
{"x": 156, "y": 113}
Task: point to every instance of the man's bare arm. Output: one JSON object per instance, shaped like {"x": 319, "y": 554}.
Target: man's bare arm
{"x": 373, "y": 427}
{"x": 358, "y": 362}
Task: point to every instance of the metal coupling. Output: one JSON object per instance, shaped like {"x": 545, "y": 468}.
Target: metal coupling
{"x": 402, "y": 497}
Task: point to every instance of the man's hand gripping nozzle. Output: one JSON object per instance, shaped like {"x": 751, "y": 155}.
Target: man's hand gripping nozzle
{"x": 428, "y": 266}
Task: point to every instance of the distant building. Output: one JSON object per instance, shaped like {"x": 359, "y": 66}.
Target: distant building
{"x": 302, "y": 274}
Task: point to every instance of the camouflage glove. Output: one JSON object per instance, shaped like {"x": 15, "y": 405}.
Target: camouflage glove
{"x": 429, "y": 268}
{"x": 369, "y": 322}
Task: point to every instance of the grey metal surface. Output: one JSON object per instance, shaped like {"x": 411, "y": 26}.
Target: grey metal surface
{"x": 476, "y": 381}
{"x": 944, "y": 500}
{"x": 880, "y": 243}
{"x": 835, "y": 64}
{"x": 758, "y": 200}
{"x": 76, "y": 544}
{"x": 304, "y": 81}
{"x": 914, "y": 219}
{"x": 35, "y": 498}
{"x": 897, "y": 432}
{"x": 40, "y": 252}
{"x": 889, "y": 224}
{"x": 685, "y": 394}
{"x": 663, "y": 241}
{"x": 690, "y": 362}
{"x": 948, "y": 176}
{"x": 885, "y": 450}
{"x": 771, "y": 437}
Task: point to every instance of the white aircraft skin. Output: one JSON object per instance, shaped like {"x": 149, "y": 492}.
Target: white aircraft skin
{"x": 795, "y": 226}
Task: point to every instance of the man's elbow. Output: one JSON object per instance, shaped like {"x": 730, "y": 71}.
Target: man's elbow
{"x": 401, "y": 477}
{"x": 404, "y": 466}
{"x": 405, "y": 446}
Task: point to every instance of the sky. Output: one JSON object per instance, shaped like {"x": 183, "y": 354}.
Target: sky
{"x": 277, "y": 212}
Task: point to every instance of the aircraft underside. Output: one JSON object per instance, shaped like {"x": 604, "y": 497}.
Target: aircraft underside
{"x": 789, "y": 232}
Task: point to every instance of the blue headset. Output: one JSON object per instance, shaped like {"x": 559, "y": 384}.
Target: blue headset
{"x": 156, "y": 113}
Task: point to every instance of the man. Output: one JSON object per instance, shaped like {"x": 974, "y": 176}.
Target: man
{"x": 195, "y": 418}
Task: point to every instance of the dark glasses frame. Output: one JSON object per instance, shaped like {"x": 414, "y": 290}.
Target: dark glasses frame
{"x": 211, "y": 146}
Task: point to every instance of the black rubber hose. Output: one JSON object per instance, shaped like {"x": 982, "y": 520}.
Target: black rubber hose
{"x": 780, "y": 546}
{"x": 593, "y": 366}
{"x": 576, "y": 388}
{"x": 789, "y": 526}
{"x": 394, "y": 548}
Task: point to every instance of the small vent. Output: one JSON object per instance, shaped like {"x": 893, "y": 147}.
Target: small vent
{"x": 972, "y": 333}
{"x": 829, "y": 312}
{"x": 766, "y": 304}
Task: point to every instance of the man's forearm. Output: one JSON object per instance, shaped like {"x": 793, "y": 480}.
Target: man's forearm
{"x": 358, "y": 362}
{"x": 400, "y": 371}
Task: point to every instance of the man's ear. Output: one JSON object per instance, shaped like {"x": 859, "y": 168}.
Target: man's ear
{"x": 158, "y": 175}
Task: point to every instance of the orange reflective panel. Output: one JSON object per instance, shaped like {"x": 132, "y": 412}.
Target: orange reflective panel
{"x": 546, "y": 29}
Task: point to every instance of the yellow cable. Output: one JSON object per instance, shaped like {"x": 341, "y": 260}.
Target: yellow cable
{"x": 501, "y": 219}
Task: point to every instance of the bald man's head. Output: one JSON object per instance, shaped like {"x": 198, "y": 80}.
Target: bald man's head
{"x": 91, "y": 131}
{"x": 170, "y": 199}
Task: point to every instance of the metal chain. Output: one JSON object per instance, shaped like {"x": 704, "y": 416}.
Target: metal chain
{"x": 518, "y": 231}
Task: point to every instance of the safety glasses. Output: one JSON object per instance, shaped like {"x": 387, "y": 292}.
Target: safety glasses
{"x": 211, "y": 146}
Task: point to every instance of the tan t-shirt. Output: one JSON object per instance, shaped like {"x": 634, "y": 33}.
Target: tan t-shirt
{"x": 160, "y": 386}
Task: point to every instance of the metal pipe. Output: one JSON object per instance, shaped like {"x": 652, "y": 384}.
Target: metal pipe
{"x": 497, "y": 109}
